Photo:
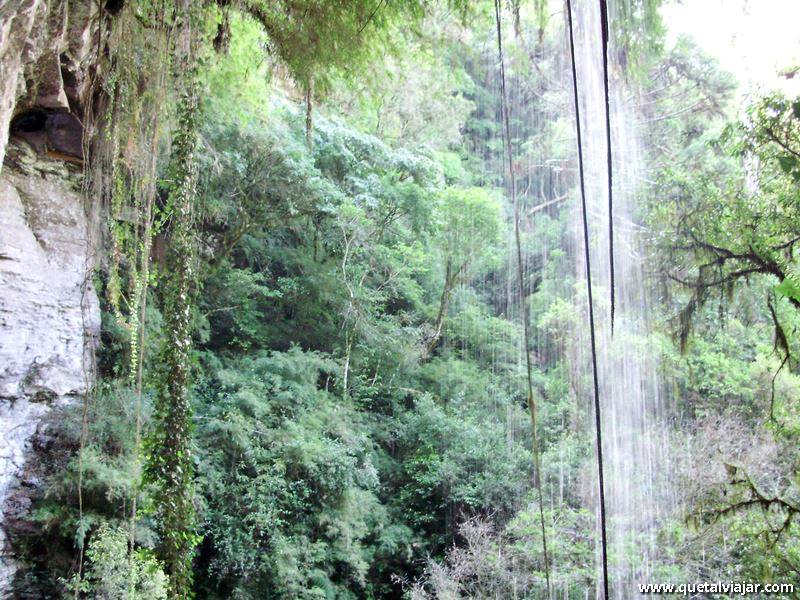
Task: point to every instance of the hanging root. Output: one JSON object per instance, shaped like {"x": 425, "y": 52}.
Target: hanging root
{"x": 604, "y": 24}
{"x": 597, "y": 422}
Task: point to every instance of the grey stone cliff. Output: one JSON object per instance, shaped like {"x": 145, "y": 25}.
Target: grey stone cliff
{"x": 49, "y": 311}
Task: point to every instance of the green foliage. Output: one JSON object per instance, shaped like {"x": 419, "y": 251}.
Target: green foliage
{"x": 357, "y": 260}
{"x": 509, "y": 563}
{"x": 456, "y": 463}
{"x": 239, "y": 78}
{"x": 469, "y": 228}
{"x": 732, "y": 225}
{"x": 111, "y": 572}
{"x": 109, "y": 481}
{"x": 316, "y": 39}
{"x": 418, "y": 97}
{"x": 289, "y": 481}
{"x": 170, "y": 465}
{"x": 637, "y": 34}
{"x": 726, "y": 222}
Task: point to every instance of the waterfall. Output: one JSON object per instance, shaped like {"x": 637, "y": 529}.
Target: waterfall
{"x": 636, "y": 421}
{"x": 635, "y": 435}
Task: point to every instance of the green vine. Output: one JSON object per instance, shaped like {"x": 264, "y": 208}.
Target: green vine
{"x": 169, "y": 458}
{"x": 123, "y": 173}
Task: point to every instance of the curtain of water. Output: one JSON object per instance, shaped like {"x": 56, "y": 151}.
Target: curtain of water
{"x": 636, "y": 441}
{"x": 635, "y": 444}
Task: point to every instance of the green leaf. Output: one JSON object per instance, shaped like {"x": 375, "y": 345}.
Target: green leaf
{"x": 788, "y": 163}
{"x": 789, "y": 288}
{"x": 796, "y": 109}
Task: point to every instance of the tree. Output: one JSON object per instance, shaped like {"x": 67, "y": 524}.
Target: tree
{"x": 112, "y": 575}
{"x": 731, "y": 229}
{"x": 318, "y": 41}
{"x": 469, "y": 228}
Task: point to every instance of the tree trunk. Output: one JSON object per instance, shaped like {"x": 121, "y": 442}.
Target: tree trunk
{"x": 444, "y": 303}
{"x": 171, "y": 461}
{"x": 309, "y": 112}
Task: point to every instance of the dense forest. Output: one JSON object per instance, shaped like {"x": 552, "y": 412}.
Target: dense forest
{"x": 416, "y": 299}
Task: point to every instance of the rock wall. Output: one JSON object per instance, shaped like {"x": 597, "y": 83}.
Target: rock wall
{"x": 46, "y": 57}
{"x": 49, "y": 311}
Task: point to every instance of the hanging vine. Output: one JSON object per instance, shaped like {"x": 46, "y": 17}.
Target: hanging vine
{"x": 150, "y": 49}
{"x": 139, "y": 63}
{"x": 125, "y": 121}
{"x": 170, "y": 461}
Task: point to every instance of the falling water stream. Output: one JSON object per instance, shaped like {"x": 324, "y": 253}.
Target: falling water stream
{"x": 635, "y": 423}
{"x": 635, "y": 444}
{"x": 634, "y": 410}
